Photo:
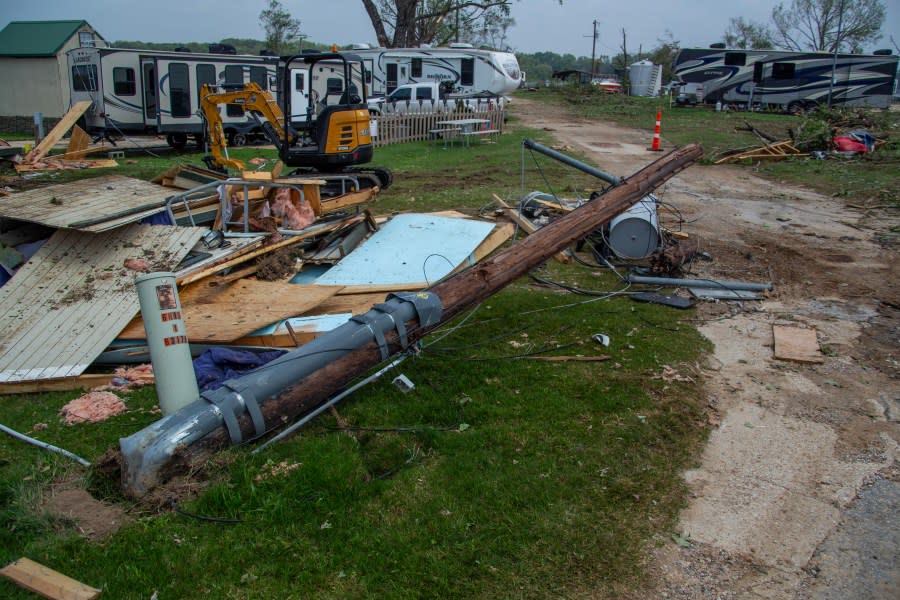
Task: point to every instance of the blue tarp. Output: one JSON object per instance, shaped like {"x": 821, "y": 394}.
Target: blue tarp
{"x": 216, "y": 365}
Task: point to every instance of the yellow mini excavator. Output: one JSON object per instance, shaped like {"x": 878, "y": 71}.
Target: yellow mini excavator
{"x": 325, "y": 139}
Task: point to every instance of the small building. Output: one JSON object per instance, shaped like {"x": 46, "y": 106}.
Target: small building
{"x": 34, "y": 71}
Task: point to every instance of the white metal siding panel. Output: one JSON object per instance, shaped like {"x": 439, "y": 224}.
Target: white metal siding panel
{"x": 66, "y": 304}
{"x": 67, "y": 204}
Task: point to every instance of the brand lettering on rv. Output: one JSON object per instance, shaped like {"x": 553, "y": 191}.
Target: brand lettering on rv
{"x": 440, "y": 76}
{"x": 82, "y": 59}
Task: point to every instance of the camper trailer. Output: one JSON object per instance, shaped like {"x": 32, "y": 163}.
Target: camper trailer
{"x": 460, "y": 66}
{"x": 141, "y": 90}
{"x": 789, "y": 80}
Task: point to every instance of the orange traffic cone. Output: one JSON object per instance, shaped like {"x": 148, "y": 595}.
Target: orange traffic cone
{"x": 655, "y": 147}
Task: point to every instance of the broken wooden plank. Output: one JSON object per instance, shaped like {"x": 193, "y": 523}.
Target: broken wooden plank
{"x": 345, "y": 200}
{"x": 67, "y": 384}
{"x": 51, "y": 163}
{"x": 797, "y": 344}
{"x": 45, "y": 581}
{"x": 223, "y": 314}
{"x": 78, "y": 143}
{"x": 58, "y": 132}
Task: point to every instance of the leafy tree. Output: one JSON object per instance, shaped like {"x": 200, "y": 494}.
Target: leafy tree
{"x": 664, "y": 54}
{"x": 813, "y": 24}
{"x": 747, "y": 34}
{"x": 282, "y": 30}
{"x": 410, "y": 23}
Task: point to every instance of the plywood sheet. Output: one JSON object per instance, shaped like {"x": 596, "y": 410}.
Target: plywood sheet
{"x": 797, "y": 344}
{"x": 96, "y": 204}
{"x": 228, "y": 312}
{"x": 414, "y": 249}
{"x": 67, "y": 303}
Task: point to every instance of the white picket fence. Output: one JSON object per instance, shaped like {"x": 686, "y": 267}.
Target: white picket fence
{"x": 412, "y": 127}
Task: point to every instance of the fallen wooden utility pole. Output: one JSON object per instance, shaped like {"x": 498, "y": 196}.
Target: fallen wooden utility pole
{"x": 297, "y": 382}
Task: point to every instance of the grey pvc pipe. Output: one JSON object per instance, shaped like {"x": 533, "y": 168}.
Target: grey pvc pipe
{"x": 568, "y": 160}
{"x": 700, "y": 283}
{"x": 44, "y": 445}
{"x": 146, "y": 451}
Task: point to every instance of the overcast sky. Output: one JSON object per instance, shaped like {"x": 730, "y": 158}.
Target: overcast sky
{"x": 540, "y": 24}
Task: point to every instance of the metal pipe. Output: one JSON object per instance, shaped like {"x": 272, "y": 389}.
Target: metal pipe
{"x": 700, "y": 283}
{"x": 568, "y": 160}
{"x": 44, "y": 445}
{"x": 310, "y": 416}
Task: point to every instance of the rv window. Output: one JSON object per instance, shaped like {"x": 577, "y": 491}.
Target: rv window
{"x": 467, "y": 71}
{"x": 234, "y": 80}
{"x": 205, "y": 74}
{"x": 335, "y": 85}
{"x": 123, "y": 81}
{"x": 179, "y": 90}
{"x": 783, "y": 70}
{"x": 735, "y": 59}
{"x": 86, "y": 39}
{"x": 417, "y": 67}
{"x": 401, "y": 94}
{"x": 423, "y": 93}
{"x": 84, "y": 78}
{"x": 258, "y": 76}
{"x": 299, "y": 84}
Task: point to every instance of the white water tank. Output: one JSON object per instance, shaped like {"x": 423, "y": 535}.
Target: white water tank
{"x": 646, "y": 78}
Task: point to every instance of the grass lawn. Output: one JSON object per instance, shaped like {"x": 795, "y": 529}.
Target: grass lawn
{"x": 497, "y": 476}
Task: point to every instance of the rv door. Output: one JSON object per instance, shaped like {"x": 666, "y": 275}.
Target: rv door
{"x": 151, "y": 106}
{"x": 391, "y": 79}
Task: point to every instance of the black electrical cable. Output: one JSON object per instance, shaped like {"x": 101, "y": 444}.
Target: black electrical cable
{"x": 206, "y": 518}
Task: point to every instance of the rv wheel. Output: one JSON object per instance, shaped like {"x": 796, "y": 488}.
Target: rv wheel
{"x": 177, "y": 140}
{"x": 795, "y": 107}
{"x": 237, "y": 139}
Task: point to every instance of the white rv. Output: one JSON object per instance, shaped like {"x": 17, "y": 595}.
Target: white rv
{"x": 141, "y": 90}
{"x": 463, "y": 68}
{"x": 793, "y": 80}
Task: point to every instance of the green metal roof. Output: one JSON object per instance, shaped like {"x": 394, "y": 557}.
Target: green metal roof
{"x": 36, "y": 38}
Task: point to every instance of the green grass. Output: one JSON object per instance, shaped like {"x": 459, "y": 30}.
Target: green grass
{"x": 496, "y": 477}
{"x": 868, "y": 179}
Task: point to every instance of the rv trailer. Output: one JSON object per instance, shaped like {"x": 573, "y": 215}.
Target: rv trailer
{"x": 790, "y": 80}
{"x": 152, "y": 91}
{"x": 460, "y": 66}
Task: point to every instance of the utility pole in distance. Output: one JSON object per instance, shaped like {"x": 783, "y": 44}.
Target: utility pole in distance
{"x": 594, "y": 52}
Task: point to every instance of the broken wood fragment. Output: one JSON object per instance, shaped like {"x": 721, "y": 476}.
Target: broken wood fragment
{"x": 48, "y": 583}
{"x": 797, "y": 344}
{"x": 58, "y": 131}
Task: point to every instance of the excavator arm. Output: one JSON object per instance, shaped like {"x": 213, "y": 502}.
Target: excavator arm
{"x": 252, "y": 98}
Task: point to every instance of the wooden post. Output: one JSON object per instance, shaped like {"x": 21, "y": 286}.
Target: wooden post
{"x": 457, "y": 294}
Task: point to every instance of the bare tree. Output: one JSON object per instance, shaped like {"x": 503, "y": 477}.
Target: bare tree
{"x": 410, "y": 23}
{"x": 282, "y": 30}
{"x": 813, "y": 24}
{"x": 747, "y": 34}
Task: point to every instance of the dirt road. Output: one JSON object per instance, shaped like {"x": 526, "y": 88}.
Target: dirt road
{"x": 798, "y": 492}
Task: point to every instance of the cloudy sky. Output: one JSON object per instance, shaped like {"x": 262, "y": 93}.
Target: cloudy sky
{"x": 540, "y": 24}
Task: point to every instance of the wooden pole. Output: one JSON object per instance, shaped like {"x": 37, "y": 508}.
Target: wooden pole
{"x": 457, "y": 294}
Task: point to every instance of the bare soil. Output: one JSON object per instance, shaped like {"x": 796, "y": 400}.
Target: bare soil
{"x": 801, "y": 461}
